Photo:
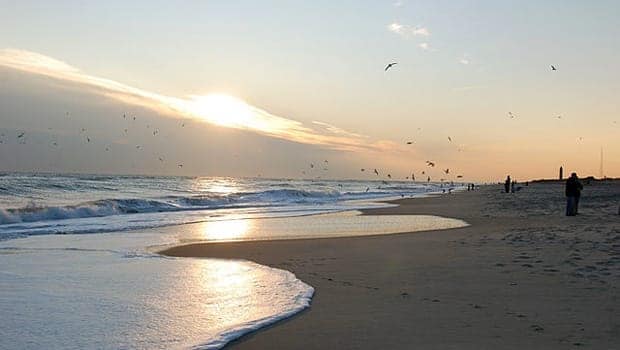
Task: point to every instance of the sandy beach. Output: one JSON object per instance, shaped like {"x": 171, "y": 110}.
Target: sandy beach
{"x": 522, "y": 275}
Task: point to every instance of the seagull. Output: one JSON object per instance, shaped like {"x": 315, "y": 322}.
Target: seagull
{"x": 412, "y": 177}
{"x": 390, "y": 66}
{"x": 389, "y": 176}
{"x": 423, "y": 172}
{"x": 410, "y": 142}
{"x": 367, "y": 189}
{"x": 138, "y": 147}
{"x": 181, "y": 165}
{"x": 511, "y": 115}
{"x": 362, "y": 169}
{"x": 447, "y": 171}
{"x": 325, "y": 161}
{"x": 21, "y": 134}
{"x": 559, "y": 117}
{"x": 161, "y": 159}
{"x": 553, "y": 67}
{"x": 429, "y": 163}
{"x": 87, "y": 139}
{"x": 449, "y": 139}
{"x": 376, "y": 172}
{"x": 459, "y": 176}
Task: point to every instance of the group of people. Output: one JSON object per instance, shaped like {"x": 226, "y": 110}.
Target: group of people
{"x": 510, "y": 185}
{"x": 572, "y": 192}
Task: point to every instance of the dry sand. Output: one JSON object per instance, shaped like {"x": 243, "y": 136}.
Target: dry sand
{"x": 523, "y": 275}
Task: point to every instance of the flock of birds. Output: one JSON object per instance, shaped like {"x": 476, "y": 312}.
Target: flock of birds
{"x": 21, "y": 138}
{"x": 86, "y": 137}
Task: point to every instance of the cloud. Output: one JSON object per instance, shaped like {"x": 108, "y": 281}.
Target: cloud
{"x": 336, "y": 130}
{"x": 407, "y": 31}
{"x": 464, "y": 60}
{"x": 424, "y": 46}
{"x": 253, "y": 119}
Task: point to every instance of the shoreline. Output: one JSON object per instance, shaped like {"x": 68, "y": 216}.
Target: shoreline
{"x": 493, "y": 284}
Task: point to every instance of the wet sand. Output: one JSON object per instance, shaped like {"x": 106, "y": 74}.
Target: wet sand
{"x": 522, "y": 275}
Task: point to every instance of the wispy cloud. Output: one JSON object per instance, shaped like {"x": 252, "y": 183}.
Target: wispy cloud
{"x": 464, "y": 60}
{"x": 254, "y": 119}
{"x": 407, "y": 31}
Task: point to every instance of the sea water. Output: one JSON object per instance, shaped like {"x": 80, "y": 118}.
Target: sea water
{"x": 78, "y": 268}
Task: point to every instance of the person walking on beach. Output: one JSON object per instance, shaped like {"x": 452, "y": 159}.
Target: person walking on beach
{"x": 507, "y": 184}
{"x": 573, "y": 192}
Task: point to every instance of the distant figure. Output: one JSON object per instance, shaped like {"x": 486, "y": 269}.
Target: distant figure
{"x": 507, "y": 184}
{"x": 468, "y": 187}
{"x": 573, "y": 192}
{"x": 512, "y": 186}
{"x": 561, "y": 173}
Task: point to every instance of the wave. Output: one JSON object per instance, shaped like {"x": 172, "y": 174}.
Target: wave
{"x": 108, "y": 207}
{"x": 300, "y": 301}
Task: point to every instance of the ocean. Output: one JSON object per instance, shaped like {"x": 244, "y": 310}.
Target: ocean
{"x": 79, "y": 268}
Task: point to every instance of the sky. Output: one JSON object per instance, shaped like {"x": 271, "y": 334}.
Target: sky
{"x": 275, "y": 88}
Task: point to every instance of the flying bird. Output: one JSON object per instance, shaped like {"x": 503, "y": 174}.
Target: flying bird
{"x": 429, "y": 163}
{"x": 21, "y": 134}
{"x": 459, "y": 176}
{"x": 389, "y": 176}
{"x": 412, "y": 177}
{"x": 553, "y": 67}
{"x": 390, "y": 66}
{"x": 362, "y": 169}
{"x": 447, "y": 171}
{"x": 181, "y": 165}
{"x": 449, "y": 139}
{"x": 511, "y": 115}
{"x": 410, "y": 142}
{"x": 376, "y": 172}
{"x": 161, "y": 159}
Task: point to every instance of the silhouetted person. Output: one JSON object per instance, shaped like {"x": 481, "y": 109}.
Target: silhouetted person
{"x": 507, "y": 184}
{"x": 512, "y": 186}
{"x": 573, "y": 192}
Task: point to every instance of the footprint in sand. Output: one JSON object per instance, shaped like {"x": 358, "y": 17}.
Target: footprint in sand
{"x": 537, "y": 328}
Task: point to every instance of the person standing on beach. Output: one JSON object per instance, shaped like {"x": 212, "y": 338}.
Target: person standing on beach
{"x": 507, "y": 184}
{"x": 573, "y": 193}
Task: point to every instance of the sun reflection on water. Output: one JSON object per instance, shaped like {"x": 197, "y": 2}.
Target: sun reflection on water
{"x": 226, "y": 229}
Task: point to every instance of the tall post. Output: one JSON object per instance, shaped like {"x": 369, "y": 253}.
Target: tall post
{"x": 600, "y": 170}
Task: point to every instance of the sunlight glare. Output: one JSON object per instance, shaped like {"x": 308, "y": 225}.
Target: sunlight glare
{"x": 224, "y": 110}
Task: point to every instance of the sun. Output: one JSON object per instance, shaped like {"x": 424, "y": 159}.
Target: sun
{"x": 221, "y": 109}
